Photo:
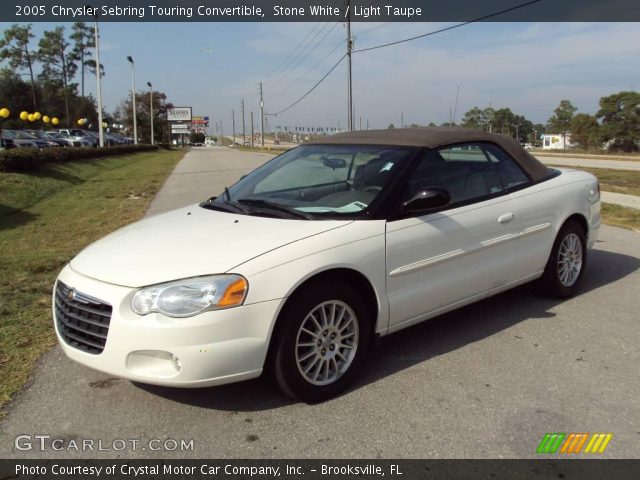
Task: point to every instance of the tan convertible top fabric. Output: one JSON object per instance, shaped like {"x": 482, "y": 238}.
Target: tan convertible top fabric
{"x": 438, "y": 137}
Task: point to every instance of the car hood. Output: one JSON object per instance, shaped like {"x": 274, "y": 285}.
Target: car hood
{"x": 189, "y": 242}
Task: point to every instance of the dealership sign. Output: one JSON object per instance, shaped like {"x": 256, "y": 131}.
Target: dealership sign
{"x": 179, "y": 114}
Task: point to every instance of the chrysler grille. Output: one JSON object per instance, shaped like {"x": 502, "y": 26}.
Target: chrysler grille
{"x": 83, "y": 321}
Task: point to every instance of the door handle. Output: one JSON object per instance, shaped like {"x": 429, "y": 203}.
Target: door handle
{"x": 506, "y": 218}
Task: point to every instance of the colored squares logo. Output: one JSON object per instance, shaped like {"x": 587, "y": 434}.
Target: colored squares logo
{"x": 574, "y": 443}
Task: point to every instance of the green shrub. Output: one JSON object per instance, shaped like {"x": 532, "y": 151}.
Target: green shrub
{"x": 29, "y": 159}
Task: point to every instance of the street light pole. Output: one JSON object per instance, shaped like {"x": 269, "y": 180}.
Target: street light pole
{"x": 99, "y": 84}
{"x": 133, "y": 97}
{"x": 151, "y": 108}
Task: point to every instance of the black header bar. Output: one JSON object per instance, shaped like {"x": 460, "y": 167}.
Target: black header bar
{"x": 319, "y": 10}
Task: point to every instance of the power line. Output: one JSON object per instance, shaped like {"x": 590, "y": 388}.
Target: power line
{"x": 297, "y": 58}
{"x": 294, "y": 51}
{"x": 479, "y": 19}
{"x": 312, "y": 88}
{"x": 358, "y": 35}
{"x": 308, "y": 54}
{"x": 310, "y": 70}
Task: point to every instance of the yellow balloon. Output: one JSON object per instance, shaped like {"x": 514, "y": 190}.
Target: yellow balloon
{"x": 105, "y": 124}
{"x": 31, "y": 117}
{"x": 24, "y": 115}
{"x": 4, "y": 112}
{"x": 80, "y": 122}
{"x": 37, "y": 116}
{"x": 45, "y": 119}
{"x": 55, "y": 120}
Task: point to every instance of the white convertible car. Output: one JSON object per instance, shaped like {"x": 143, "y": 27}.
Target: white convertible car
{"x": 298, "y": 267}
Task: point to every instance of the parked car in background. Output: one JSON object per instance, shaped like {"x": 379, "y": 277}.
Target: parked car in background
{"x": 123, "y": 138}
{"x": 301, "y": 264}
{"x": 42, "y": 135}
{"x": 112, "y": 139}
{"x": 18, "y": 142}
{"x": 6, "y": 143}
{"x": 70, "y": 141}
{"x": 77, "y": 133}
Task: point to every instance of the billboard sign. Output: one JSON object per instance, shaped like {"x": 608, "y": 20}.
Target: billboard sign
{"x": 199, "y": 120}
{"x": 179, "y": 114}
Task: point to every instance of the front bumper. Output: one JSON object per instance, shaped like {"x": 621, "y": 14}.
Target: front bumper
{"x": 212, "y": 348}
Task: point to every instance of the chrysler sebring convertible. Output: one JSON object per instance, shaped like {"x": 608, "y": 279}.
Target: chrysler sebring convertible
{"x": 298, "y": 267}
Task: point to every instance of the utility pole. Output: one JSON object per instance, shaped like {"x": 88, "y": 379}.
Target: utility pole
{"x": 350, "y": 83}
{"x": 455, "y": 111}
{"x": 233, "y": 125}
{"x": 401, "y": 119}
{"x": 151, "y": 108}
{"x": 261, "y": 117}
{"x": 252, "y": 129}
{"x": 99, "y": 85}
{"x": 244, "y": 129}
{"x": 360, "y": 124}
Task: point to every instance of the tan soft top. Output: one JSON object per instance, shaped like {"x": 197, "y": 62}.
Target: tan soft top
{"x": 438, "y": 137}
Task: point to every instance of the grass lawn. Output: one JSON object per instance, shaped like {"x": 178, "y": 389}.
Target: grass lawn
{"x": 619, "y": 181}
{"x": 46, "y": 218}
{"x": 621, "y": 216}
{"x": 576, "y": 152}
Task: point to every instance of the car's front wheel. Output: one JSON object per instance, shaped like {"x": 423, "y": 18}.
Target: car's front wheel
{"x": 323, "y": 342}
{"x": 567, "y": 261}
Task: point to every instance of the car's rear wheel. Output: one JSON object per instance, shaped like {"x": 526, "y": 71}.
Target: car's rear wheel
{"x": 565, "y": 267}
{"x": 323, "y": 342}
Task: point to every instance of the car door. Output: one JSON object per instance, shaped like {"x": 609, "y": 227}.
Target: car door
{"x": 439, "y": 260}
{"x": 536, "y": 211}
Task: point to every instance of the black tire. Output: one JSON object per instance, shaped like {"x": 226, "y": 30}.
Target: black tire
{"x": 551, "y": 281}
{"x": 286, "y": 365}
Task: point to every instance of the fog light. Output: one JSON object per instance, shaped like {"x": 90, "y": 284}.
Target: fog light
{"x": 154, "y": 363}
{"x": 176, "y": 363}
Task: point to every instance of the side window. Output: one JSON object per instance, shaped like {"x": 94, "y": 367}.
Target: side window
{"x": 465, "y": 171}
{"x": 510, "y": 173}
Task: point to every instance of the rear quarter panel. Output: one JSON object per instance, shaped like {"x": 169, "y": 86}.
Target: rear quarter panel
{"x": 542, "y": 210}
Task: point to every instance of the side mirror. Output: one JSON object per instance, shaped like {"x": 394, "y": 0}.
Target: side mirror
{"x": 426, "y": 200}
{"x": 334, "y": 162}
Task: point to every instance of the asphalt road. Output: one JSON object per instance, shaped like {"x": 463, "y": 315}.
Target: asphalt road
{"x": 486, "y": 381}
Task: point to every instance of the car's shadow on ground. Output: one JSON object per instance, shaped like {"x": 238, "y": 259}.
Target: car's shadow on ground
{"x": 417, "y": 344}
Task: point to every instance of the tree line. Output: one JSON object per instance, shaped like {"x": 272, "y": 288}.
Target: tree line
{"x": 50, "y": 75}
{"x": 615, "y": 126}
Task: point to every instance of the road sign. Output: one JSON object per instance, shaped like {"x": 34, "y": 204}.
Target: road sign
{"x": 179, "y": 128}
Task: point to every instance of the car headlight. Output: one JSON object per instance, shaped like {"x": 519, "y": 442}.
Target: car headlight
{"x": 191, "y": 296}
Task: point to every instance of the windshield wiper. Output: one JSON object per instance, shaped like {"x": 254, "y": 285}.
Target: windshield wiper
{"x": 224, "y": 206}
{"x": 258, "y": 202}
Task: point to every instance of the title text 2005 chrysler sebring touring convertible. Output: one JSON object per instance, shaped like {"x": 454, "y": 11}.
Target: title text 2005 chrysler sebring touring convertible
{"x": 296, "y": 268}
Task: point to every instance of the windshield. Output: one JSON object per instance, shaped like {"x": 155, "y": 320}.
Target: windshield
{"x": 317, "y": 181}
{"x": 36, "y": 133}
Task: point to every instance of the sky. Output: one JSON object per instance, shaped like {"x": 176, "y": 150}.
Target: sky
{"x": 528, "y": 67}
